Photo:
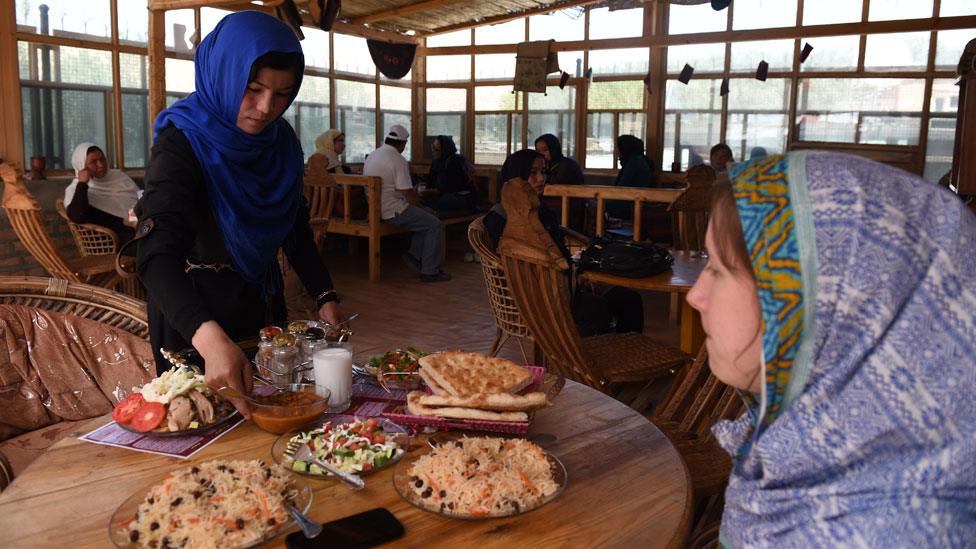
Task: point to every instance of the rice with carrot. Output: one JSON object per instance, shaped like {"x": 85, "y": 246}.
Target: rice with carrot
{"x": 482, "y": 476}
{"x": 217, "y": 503}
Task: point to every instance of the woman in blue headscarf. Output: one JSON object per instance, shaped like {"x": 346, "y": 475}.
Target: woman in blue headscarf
{"x": 223, "y": 195}
{"x": 839, "y": 297}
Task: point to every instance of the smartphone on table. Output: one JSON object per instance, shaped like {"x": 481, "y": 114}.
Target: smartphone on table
{"x": 366, "y": 529}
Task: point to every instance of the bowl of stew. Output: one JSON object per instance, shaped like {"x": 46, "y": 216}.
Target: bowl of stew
{"x": 290, "y": 406}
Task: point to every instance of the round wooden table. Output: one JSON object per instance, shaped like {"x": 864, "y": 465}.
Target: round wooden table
{"x": 627, "y": 486}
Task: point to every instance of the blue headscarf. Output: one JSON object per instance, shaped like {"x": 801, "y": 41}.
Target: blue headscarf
{"x": 254, "y": 181}
{"x": 864, "y": 432}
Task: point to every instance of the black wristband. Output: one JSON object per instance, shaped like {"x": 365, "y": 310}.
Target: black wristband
{"x": 325, "y": 297}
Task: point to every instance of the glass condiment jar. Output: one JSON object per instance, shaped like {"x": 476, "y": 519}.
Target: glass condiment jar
{"x": 313, "y": 339}
{"x": 284, "y": 367}
{"x": 266, "y": 346}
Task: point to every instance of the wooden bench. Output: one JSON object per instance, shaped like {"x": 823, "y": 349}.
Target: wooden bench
{"x": 324, "y": 189}
{"x": 602, "y": 193}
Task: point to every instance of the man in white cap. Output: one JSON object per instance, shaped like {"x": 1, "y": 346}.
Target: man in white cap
{"x": 399, "y": 205}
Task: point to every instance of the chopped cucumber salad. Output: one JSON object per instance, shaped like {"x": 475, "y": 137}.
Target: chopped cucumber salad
{"x": 355, "y": 447}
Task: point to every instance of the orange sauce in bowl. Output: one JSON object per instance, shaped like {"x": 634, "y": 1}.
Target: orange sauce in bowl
{"x": 283, "y": 411}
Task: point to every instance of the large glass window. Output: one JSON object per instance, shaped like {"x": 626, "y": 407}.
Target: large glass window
{"x": 87, "y": 19}
{"x": 134, "y": 73}
{"x": 494, "y": 65}
{"x": 949, "y": 46}
{"x": 605, "y": 23}
{"x": 309, "y": 114}
{"x": 180, "y": 77}
{"x": 693, "y": 121}
{"x": 316, "y": 48}
{"x": 758, "y": 117}
{"x": 444, "y": 68}
{"x": 180, "y": 30}
{"x": 395, "y": 106}
{"x": 555, "y": 113}
{"x": 832, "y": 53}
{"x": 445, "y": 113}
{"x": 747, "y": 55}
{"x": 209, "y": 17}
{"x": 703, "y": 57}
{"x": 133, "y": 22}
{"x": 824, "y": 12}
{"x": 356, "y": 117}
{"x": 561, "y": 26}
{"x": 352, "y": 55}
{"x": 897, "y": 52}
{"x": 882, "y": 10}
{"x": 942, "y": 128}
{"x": 623, "y": 61}
{"x": 860, "y": 110}
{"x": 949, "y": 8}
{"x": 511, "y": 32}
{"x": 763, "y": 14}
{"x": 687, "y": 19}
{"x": 497, "y": 123}
{"x": 614, "y": 108}
{"x": 456, "y": 38}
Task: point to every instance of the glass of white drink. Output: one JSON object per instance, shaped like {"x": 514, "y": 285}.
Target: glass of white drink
{"x": 333, "y": 369}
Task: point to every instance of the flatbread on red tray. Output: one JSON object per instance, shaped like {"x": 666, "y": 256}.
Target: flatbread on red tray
{"x": 499, "y": 402}
{"x": 415, "y": 407}
{"x": 467, "y": 374}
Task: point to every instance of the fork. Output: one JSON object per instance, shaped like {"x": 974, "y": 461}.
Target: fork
{"x": 300, "y": 451}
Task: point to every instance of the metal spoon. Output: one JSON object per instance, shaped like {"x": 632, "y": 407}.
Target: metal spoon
{"x": 309, "y": 527}
{"x": 230, "y": 392}
{"x": 303, "y": 453}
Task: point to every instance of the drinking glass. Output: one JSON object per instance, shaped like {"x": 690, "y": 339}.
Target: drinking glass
{"x": 332, "y": 364}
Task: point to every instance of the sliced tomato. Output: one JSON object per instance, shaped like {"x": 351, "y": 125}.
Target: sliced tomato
{"x": 371, "y": 424}
{"x": 148, "y": 417}
{"x": 124, "y": 411}
{"x": 379, "y": 439}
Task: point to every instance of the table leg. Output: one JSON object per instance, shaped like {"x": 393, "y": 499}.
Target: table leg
{"x": 692, "y": 334}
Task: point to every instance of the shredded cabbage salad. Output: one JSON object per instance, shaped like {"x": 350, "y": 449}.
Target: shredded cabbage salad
{"x": 172, "y": 383}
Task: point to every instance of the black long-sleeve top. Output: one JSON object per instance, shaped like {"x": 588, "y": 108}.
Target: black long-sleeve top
{"x": 185, "y": 233}
{"x": 451, "y": 178}
{"x": 80, "y": 210}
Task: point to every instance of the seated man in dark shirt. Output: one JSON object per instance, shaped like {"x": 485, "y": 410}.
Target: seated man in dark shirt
{"x": 99, "y": 195}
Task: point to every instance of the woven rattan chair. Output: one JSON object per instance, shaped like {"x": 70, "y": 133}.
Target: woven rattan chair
{"x": 75, "y": 298}
{"x": 536, "y": 272}
{"x": 508, "y": 321}
{"x": 91, "y": 239}
{"x": 6, "y": 472}
{"x": 320, "y": 191}
{"x": 697, "y": 400}
{"x": 24, "y": 215}
{"x": 689, "y": 212}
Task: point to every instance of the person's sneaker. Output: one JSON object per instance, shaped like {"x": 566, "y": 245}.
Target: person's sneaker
{"x": 441, "y": 276}
{"x": 411, "y": 262}
{"x": 469, "y": 257}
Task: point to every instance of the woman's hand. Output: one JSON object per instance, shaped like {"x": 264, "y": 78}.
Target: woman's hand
{"x": 329, "y": 312}
{"x": 225, "y": 363}
{"x": 84, "y": 176}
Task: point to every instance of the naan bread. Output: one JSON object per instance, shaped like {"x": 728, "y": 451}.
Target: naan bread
{"x": 469, "y": 374}
{"x": 415, "y": 407}
{"x": 432, "y": 383}
{"x": 497, "y": 402}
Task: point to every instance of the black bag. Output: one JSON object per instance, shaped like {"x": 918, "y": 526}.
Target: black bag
{"x": 625, "y": 258}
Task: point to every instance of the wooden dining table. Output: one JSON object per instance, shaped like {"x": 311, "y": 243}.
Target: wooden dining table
{"x": 678, "y": 279}
{"x": 627, "y": 486}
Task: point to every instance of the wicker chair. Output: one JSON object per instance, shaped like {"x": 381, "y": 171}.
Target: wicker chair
{"x": 536, "y": 272}
{"x": 91, "y": 239}
{"x": 696, "y": 401}
{"x": 6, "y": 472}
{"x": 508, "y": 321}
{"x": 320, "y": 191}
{"x": 24, "y": 215}
{"x": 75, "y": 298}
{"x": 689, "y": 219}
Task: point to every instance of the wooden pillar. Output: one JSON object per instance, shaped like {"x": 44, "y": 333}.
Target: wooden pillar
{"x": 418, "y": 102}
{"x": 655, "y": 24}
{"x": 157, "y": 63}
{"x": 11, "y": 121}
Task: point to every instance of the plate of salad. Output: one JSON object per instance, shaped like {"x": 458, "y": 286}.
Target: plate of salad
{"x": 398, "y": 368}
{"x": 360, "y": 446}
{"x": 177, "y": 403}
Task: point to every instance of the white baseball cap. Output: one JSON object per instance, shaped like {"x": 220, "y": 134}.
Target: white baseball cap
{"x": 398, "y": 132}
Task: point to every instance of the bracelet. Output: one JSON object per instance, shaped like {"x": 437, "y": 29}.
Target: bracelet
{"x": 325, "y": 297}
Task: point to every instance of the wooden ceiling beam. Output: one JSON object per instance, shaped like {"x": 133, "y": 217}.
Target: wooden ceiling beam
{"x": 496, "y": 19}
{"x": 401, "y": 11}
{"x": 162, "y": 5}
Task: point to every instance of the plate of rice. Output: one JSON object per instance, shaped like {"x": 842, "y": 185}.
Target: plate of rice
{"x": 220, "y": 503}
{"x": 481, "y": 477}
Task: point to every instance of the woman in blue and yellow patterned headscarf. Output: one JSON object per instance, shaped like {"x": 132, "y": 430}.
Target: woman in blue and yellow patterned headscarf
{"x": 840, "y": 297}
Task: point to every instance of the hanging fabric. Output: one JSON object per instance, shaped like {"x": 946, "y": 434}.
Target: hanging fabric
{"x": 533, "y": 62}
{"x": 392, "y": 59}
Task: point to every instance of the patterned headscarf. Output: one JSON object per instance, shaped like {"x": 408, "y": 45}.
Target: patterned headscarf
{"x": 864, "y": 432}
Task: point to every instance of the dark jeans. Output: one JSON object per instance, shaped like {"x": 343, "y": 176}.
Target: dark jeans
{"x": 615, "y": 309}
{"x": 453, "y": 202}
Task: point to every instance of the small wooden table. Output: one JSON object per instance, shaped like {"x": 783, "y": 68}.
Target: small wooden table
{"x": 627, "y": 487}
{"x": 679, "y": 279}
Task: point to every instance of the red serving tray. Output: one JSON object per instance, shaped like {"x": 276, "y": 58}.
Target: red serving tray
{"x": 399, "y": 414}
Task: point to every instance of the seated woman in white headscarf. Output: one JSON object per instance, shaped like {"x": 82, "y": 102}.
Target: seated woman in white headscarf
{"x": 99, "y": 195}
{"x": 331, "y": 145}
